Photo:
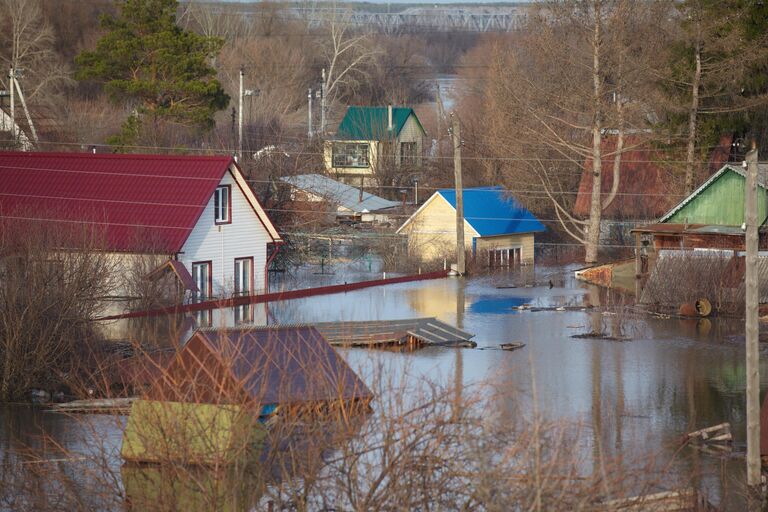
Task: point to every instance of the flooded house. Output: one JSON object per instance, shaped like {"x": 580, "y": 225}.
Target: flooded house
{"x": 701, "y": 242}
{"x": 191, "y": 219}
{"x": 349, "y": 203}
{"x": 373, "y": 144}
{"x": 498, "y": 230}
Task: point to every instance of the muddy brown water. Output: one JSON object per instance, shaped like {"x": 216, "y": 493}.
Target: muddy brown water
{"x": 633, "y": 399}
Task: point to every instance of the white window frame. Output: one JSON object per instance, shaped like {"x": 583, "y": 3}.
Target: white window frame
{"x": 244, "y": 276}
{"x": 222, "y": 204}
{"x": 203, "y": 280}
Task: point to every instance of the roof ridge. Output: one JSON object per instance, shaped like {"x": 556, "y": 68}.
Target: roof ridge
{"x": 115, "y": 156}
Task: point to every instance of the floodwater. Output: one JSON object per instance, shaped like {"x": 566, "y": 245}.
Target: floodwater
{"x": 633, "y": 399}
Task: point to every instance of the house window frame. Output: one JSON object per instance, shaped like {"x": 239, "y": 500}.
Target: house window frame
{"x": 412, "y": 158}
{"x": 217, "y": 209}
{"x": 199, "y": 295}
{"x": 345, "y": 158}
{"x": 237, "y": 285}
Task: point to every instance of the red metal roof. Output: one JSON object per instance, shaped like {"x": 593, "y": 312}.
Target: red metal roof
{"x": 646, "y": 188}
{"x": 142, "y": 202}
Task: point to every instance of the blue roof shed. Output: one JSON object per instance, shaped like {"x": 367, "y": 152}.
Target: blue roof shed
{"x": 491, "y": 211}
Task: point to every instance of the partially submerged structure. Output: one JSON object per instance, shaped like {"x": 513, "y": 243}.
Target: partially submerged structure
{"x": 410, "y": 333}
{"x": 373, "y": 142}
{"x": 700, "y": 241}
{"x": 196, "y": 212}
{"x": 266, "y": 369}
{"x": 351, "y": 204}
{"x": 498, "y": 230}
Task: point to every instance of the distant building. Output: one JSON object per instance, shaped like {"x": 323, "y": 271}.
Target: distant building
{"x": 197, "y": 211}
{"x": 350, "y": 203}
{"x": 374, "y": 143}
{"x": 497, "y": 228}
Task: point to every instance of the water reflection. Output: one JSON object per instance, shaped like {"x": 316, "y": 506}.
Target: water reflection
{"x": 633, "y": 398}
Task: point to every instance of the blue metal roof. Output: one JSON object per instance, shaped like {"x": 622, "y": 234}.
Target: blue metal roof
{"x": 491, "y": 211}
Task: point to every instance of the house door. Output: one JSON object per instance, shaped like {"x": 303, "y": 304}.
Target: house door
{"x": 507, "y": 257}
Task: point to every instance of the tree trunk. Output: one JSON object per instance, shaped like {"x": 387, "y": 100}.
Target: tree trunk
{"x": 692, "y": 117}
{"x": 593, "y": 228}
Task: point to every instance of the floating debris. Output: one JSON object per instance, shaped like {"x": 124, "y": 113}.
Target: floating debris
{"x": 716, "y": 434}
{"x": 512, "y": 345}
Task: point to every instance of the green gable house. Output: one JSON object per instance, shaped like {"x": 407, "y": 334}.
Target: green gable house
{"x": 711, "y": 217}
{"x": 375, "y": 146}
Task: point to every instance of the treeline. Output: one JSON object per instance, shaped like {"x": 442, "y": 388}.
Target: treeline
{"x": 584, "y": 84}
{"x": 93, "y": 70}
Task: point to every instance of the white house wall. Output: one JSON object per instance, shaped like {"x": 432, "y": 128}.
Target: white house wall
{"x": 411, "y": 132}
{"x": 244, "y": 237}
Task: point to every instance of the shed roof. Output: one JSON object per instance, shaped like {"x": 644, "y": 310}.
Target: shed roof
{"x": 141, "y": 202}
{"x": 490, "y": 211}
{"x": 339, "y": 193}
{"x": 271, "y": 365}
{"x": 371, "y": 123}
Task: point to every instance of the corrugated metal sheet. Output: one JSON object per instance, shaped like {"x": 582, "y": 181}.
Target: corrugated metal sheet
{"x": 370, "y": 123}
{"x": 339, "y": 193}
{"x": 646, "y": 188}
{"x": 719, "y": 200}
{"x": 142, "y": 202}
{"x": 429, "y": 331}
{"x": 491, "y": 211}
{"x": 273, "y": 365}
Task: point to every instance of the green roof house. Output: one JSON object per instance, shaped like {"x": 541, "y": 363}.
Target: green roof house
{"x": 375, "y": 144}
{"x": 719, "y": 201}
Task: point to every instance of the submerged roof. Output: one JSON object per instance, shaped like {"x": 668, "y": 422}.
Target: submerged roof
{"x": 141, "y": 202}
{"x": 270, "y": 365}
{"x": 371, "y": 123}
{"x": 339, "y": 193}
{"x": 490, "y": 211}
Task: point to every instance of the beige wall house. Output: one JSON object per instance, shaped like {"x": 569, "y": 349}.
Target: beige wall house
{"x": 375, "y": 144}
{"x": 498, "y": 230}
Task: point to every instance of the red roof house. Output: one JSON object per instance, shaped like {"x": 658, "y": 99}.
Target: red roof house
{"x": 196, "y": 210}
{"x": 646, "y": 187}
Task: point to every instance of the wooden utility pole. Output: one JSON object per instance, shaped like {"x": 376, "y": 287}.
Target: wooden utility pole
{"x": 753, "y": 354}
{"x": 240, "y": 119}
{"x": 309, "y": 113}
{"x": 456, "y": 134}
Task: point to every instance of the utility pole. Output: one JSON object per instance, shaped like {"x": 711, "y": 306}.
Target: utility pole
{"x": 456, "y": 134}
{"x": 11, "y": 77}
{"x": 440, "y": 117}
{"x": 753, "y": 354}
{"x": 240, "y": 118}
{"x": 309, "y": 113}
{"x": 322, "y": 105}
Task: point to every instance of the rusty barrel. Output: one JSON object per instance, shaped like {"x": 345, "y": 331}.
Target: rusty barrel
{"x": 701, "y": 307}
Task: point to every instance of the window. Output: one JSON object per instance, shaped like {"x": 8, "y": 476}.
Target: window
{"x": 408, "y": 153}
{"x": 201, "y": 274}
{"x": 243, "y": 314}
{"x": 347, "y": 154}
{"x": 222, "y": 204}
{"x": 243, "y": 276}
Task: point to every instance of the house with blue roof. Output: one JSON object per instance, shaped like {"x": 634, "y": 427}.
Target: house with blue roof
{"x": 373, "y": 143}
{"x": 497, "y": 228}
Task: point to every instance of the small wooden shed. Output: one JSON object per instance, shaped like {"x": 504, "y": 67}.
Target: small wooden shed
{"x": 261, "y": 369}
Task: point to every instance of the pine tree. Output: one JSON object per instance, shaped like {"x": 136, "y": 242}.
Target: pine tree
{"x": 145, "y": 60}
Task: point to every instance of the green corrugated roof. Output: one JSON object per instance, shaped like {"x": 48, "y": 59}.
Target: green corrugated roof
{"x": 370, "y": 123}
